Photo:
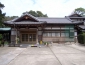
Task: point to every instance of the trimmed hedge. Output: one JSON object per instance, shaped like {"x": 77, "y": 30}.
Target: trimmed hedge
{"x": 81, "y": 38}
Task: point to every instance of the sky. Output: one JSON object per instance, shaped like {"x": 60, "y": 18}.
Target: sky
{"x": 53, "y": 8}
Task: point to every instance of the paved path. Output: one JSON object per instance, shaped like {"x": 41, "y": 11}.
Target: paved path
{"x": 58, "y": 54}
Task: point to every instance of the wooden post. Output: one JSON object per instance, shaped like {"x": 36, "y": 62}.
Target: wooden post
{"x": 37, "y": 37}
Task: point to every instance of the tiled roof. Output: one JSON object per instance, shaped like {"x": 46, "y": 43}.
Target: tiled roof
{"x": 25, "y": 22}
{"x": 57, "y": 20}
{"x": 54, "y": 20}
{"x": 82, "y": 26}
{"x": 77, "y": 17}
{"x": 46, "y": 20}
{"x": 74, "y": 14}
{"x": 27, "y": 15}
{"x": 40, "y": 20}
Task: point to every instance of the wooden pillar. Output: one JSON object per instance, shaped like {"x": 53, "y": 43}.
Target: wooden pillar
{"x": 37, "y": 37}
{"x": 39, "y": 34}
{"x": 13, "y": 35}
{"x": 16, "y": 37}
{"x": 10, "y": 36}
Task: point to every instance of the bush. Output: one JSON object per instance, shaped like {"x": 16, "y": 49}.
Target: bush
{"x": 81, "y": 38}
{"x": 1, "y": 37}
{"x": 45, "y": 43}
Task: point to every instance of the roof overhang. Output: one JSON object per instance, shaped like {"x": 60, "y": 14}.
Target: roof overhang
{"x": 82, "y": 27}
{"x": 5, "y": 29}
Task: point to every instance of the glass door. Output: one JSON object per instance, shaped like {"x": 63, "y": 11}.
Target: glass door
{"x": 24, "y": 37}
{"x": 28, "y": 38}
{"x": 32, "y": 37}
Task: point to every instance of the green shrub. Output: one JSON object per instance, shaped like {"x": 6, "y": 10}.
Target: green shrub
{"x": 45, "y": 43}
{"x": 1, "y": 37}
{"x": 81, "y": 38}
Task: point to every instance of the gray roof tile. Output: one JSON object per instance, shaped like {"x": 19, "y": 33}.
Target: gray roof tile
{"x": 82, "y": 26}
{"x": 25, "y": 22}
{"x": 54, "y": 20}
{"x": 40, "y": 20}
{"x": 77, "y": 17}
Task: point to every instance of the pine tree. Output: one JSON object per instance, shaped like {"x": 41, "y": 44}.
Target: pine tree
{"x": 1, "y": 14}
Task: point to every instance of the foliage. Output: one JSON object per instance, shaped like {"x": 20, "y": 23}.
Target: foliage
{"x": 1, "y": 37}
{"x": 7, "y": 18}
{"x": 80, "y": 11}
{"x": 36, "y": 13}
{"x": 81, "y": 38}
{"x": 1, "y": 15}
{"x": 45, "y": 43}
{"x": 1, "y": 5}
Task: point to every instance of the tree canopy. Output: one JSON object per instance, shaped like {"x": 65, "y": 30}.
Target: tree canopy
{"x": 1, "y": 14}
{"x": 36, "y": 13}
{"x": 7, "y": 18}
{"x": 80, "y": 11}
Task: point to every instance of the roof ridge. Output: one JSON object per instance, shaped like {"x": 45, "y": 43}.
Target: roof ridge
{"x": 68, "y": 18}
{"x": 51, "y": 17}
{"x": 24, "y": 15}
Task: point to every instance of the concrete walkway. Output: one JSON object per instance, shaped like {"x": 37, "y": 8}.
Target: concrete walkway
{"x": 57, "y": 54}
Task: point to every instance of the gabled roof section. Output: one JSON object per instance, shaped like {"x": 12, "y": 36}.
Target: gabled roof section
{"x": 26, "y": 17}
{"x": 82, "y": 26}
{"x": 73, "y": 21}
{"x": 75, "y": 15}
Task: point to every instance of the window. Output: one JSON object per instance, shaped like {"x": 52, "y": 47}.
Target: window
{"x": 71, "y": 27}
{"x": 62, "y": 34}
{"x": 56, "y": 28}
{"x": 71, "y": 33}
{"x": 49, "y": 34}
{"x": 64, "y": 28}
{"x": 45, "y": 34}
{"x": 57, "y": 34}
{"x": 53, "y": 35}
{"x": 67, "y": 34}
{"x": 24, "y": 37}
{"x": 48, "y": 28}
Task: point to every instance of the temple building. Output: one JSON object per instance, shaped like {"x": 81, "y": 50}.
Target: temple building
{"x": 30, "y": 29}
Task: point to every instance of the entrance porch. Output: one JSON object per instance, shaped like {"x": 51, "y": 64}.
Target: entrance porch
{"x": 28, "y": 36}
